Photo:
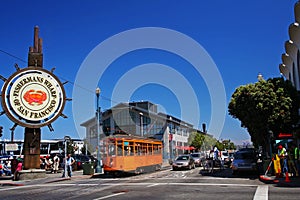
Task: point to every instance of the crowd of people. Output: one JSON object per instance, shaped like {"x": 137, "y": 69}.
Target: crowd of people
{"x": 5, "y": 168}
{"x": 11, "y": 167}
{"x": 50, "y": 164}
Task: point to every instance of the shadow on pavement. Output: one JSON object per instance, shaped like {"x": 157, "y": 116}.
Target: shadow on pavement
{"x": 227, "y": 173}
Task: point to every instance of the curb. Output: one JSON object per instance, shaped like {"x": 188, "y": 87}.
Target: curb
{"x": 11, "y": 184}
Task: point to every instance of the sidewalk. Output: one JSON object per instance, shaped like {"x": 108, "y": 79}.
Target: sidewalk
{"x": 50, "y": 178}
{"x": 282, "y": 182}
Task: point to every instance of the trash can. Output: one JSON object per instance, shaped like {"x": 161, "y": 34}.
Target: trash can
{"x": 88, "y": 168}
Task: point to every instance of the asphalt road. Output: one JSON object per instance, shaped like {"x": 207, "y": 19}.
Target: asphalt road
{"x": 167, "y": 184}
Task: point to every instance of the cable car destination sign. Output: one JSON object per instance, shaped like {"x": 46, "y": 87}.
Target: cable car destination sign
{"x": 33, "y": 97}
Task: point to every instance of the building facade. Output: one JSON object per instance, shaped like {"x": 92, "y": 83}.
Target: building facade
{"x": 290, "y": 66}
{"x": 142, "y": 119}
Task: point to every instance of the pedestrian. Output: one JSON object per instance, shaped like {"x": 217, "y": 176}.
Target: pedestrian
{"x": 1, "y": 169}
{"x": 56, "y": 161}
{"x": 69, "y": 161}
{"x": 18, "y": 169}
{"x": 215, "y": 159}
{"x": 6, "y": 169}
{"x": 48, "y": 163}
{"x": 282, "y": 153}
{"x": 297, "y": 159}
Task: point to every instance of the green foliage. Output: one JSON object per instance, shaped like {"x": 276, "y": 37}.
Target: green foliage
{"x": 70, "y": 147}
{"x": 228, "y": 145}
{"x": 206, "y": 142}
{"x": 266, "y": 105}
{"x": 197, "y": 140}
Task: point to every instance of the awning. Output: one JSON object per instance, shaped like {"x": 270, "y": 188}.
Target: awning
{"x": 185, "y": 148}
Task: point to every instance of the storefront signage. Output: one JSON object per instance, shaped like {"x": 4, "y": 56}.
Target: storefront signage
{"x": 285, "y": 135}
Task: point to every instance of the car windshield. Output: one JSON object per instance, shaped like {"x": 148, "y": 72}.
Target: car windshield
{"x": 195, "y": 155}
{"x": 183, "y": 158}
{"x": 245, "y": 155}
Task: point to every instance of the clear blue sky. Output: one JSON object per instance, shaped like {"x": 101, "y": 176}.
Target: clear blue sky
{"x": 242, "y": 38}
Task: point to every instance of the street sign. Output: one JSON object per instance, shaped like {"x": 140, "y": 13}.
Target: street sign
{"x": 11, "y": 147}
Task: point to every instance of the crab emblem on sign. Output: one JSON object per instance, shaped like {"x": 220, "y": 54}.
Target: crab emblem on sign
{"x": 32, "y": 96}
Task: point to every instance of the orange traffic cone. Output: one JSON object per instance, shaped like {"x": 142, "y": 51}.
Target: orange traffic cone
{"x": 287, "y": 179}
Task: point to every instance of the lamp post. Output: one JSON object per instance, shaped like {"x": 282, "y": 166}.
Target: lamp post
{"x": 141, "y": 123}
{"x": 270, "y": 133}
{"x": 260, "y": 77}
{"x": 66, "y": 139}
{"x": 171, "y": 134}
{"x": 99, "y": 160}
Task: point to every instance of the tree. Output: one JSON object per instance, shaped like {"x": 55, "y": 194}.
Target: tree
{"x": 196, "y": 140}
{"x": 227, "y": 144}
{"x": 265, "y": 106}
{"x": 202, "y": 142}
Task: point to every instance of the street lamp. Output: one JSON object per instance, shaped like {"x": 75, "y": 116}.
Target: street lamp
{"x": 141, "y": 123}
{"x": 270, "y": 134}
{"x": 171, "y": 134}
{"x": 260, "y": 77}
{"x": 98, "y": 117}
{"x": 66, "y": 140}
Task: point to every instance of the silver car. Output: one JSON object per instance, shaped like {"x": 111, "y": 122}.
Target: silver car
{"x": 183, "y": 162}
{"x": 199, "y": 158}
{"x": 244, "y": 161}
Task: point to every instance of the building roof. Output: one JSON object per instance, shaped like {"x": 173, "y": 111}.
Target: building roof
{"x": 140, "y": 107}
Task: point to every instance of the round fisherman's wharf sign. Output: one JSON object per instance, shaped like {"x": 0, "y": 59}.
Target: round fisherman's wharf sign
{"x": 33, "y": 97}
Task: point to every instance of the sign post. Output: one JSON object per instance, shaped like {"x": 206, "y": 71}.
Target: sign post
{"x": 33, "y": 97}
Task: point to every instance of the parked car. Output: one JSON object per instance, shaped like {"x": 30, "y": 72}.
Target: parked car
{"x": 199, "y": 158}
{"x": 183, "y": 162}
{"x": 93, "y": 160}
{"x": 79, "y": 160}
{"x": 244, "y": 161}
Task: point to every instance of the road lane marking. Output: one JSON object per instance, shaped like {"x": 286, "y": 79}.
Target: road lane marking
{"x": 184, "y": 184}
{"x": 261, "y": 193}
{"x": 108, "y": 196}
{"x": 152, "y": 185}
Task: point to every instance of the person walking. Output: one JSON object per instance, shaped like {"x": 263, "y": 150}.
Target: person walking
{"x": 19, "y": 168}
{"x": 215, "y": 159}
{"x": 69, "y": 161}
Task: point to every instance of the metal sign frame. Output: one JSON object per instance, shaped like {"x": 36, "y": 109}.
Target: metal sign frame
{"x": 33, "y": 97}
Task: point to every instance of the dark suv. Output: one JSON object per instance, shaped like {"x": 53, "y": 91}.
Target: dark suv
{"x": 80, "y": 159}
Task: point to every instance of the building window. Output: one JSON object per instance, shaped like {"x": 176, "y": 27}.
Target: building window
{"x": 93, "y": 131}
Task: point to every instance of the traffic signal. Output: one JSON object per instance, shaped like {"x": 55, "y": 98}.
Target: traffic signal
{"x": 1, "y": 131}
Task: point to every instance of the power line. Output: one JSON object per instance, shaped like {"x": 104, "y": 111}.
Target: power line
{"x": 11, "y": 55}
{"x": 86, "y": 89}
{"x": 75, "y": 85}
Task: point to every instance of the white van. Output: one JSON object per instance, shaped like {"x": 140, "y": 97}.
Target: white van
{"x": 225, "y": 157}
